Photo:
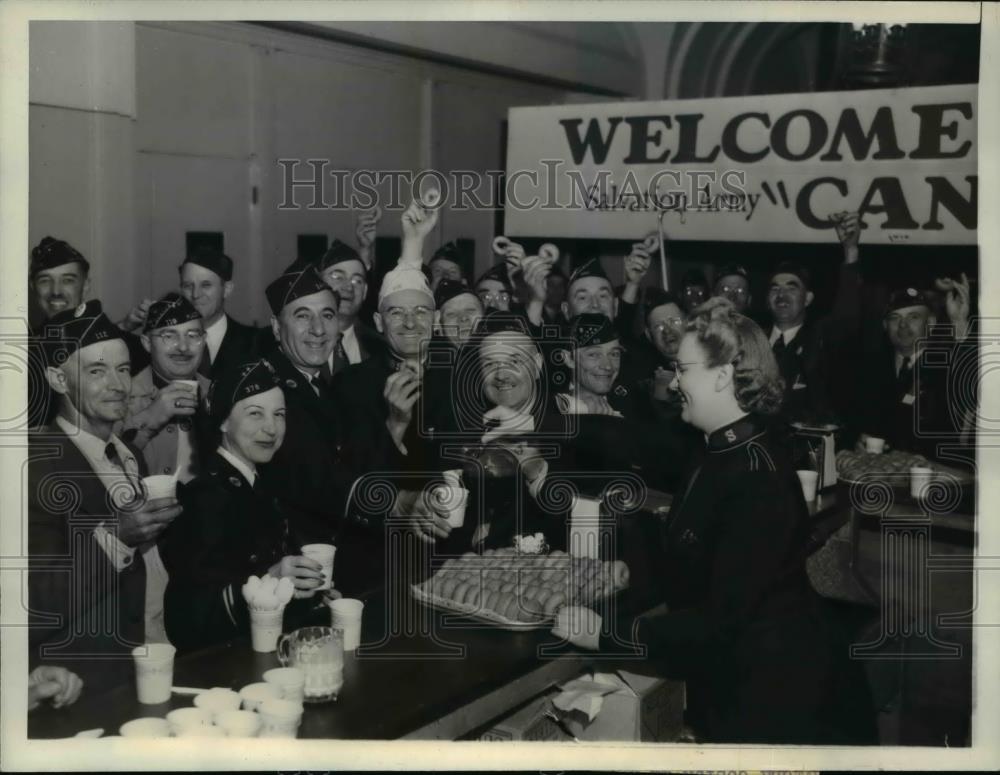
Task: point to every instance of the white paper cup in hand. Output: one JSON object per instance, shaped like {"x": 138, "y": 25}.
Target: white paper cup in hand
{"x": 182, "y": 718}
{"x": 190, "y": 384}
{"x": 290, "y": 681}
{"x": 159, "y": 486}
{"x": 145, "y": 727}
{"x": 874, "y": 445}
{"x": 265, "y": 629}
{"x": 280, "y": 718}
{"x": 239, "y": 723}
{"x": 323, "y": 554}
{"x": 451, "y": 501}
{"x": 217, "y": 701}
{"x": 808, "y": 480}
{"x": 254, "y": 694}
{"x": 345, "y": 614}
{"x": 920, "y": 477}
{"x": 154, "y": 672}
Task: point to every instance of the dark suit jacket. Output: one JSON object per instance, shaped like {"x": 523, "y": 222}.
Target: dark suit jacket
{"x": 309, "y": 472}
{"x": 85, "y": 615}
{"x": 744, "y": 628}
{"x": 806, "y": 368}
{"x": 227, "y": 532}
{"x": 239, "y": 345}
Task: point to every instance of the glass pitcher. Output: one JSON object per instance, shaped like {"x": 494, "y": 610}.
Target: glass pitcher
{"x": 319, "y": 653}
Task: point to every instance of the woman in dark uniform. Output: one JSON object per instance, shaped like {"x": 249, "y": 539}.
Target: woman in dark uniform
{"x": 744, "y": 628}
{"x": 230, "y": 528}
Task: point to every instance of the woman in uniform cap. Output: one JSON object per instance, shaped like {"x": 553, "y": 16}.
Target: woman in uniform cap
{"x": 231, "y": 527}
{"x": 744, "y": 628}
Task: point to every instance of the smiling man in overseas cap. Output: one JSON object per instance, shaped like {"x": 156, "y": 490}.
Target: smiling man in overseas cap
{"x": 206, "y": 280}
{"x": 447, "y": 263}
{"x": 114, "y": 570}
{"x": 594, "y": 362}
{"x": 458, "y": 311}
{"x": 343, "y": 269}
{"x": 590, "y": 290}
{"x": 164, "y": 398}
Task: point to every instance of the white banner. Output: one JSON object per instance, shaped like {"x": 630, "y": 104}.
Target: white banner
{"x": 769, "y": 168}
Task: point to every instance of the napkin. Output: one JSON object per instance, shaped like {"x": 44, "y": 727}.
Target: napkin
{"x": 587, "y": 694}
{"x": 268, "y": 593}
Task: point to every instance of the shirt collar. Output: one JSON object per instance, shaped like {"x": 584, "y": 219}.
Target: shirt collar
{"x": 91, "y": 446}
{"x": 788, "y": 334}
{"x": 734, "y": 434}
{"x": 215, "y": 333}
{"x": 913, "y": 358}
{"x": 249, "y": 473}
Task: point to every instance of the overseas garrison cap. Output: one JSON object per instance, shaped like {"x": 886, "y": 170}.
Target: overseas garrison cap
{"x": 591, "y": 268}
{"x": 338, "y": 253}
{"x": 450, "y": 289}
{"x": 405, "y": 277}
{"x": 590, "y": 328}
{"x": 72, "y": 330}
{"x": 213, "y": 260}
{"x": 656, "y": 297}
{"x": 172, "y": 310}
{"x": 906, "y": 297}
{"x": 791, "y": 267}
{"x": 298, "y": 280}
{"x": 497, "y": 272}
{"x": 733, "y": 269}
{"x": 449, "y": 252}
{"x": 50, "y": 253}
{"x": 234, "y": 385}
{"x": 497, "y": 322}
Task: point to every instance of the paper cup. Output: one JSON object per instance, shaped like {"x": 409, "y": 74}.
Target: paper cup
{"x": 190, "y": 384}
{"x": 451, "y": 502}
{"x": 280, "y": 718}
{"x": 202, "y": 731}
{"x": 323, "y": 554}
{"x": 154, "y": 672}
{"x": 808, "y": 480}
{"x": 265, "y": 629}
{"x": 345, "y": 614}
{"x": 920, "y": 477}
{"x": 182, "y": 718}
{"x": 159, "y": 486}
{"x": 874, "y": 445}
{"x": 290, "y": 681}
{"x": 453, "y": 478}
{"x": 254, "y": 694}
{"x": 145, "y": 727}
{"x": 217, "y": 701}
{"x": 239, "y": 723}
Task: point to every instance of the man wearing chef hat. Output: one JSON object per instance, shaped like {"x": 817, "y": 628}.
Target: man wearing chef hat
{"x": 310, "y": 476}
{"x": 104, "y": 531}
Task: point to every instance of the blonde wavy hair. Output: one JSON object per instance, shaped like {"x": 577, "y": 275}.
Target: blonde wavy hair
{"x": 726, "y": 336}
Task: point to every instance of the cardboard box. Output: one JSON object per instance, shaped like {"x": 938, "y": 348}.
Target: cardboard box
{"x": 528, "y": 723}
{"x": 646, "y": 708}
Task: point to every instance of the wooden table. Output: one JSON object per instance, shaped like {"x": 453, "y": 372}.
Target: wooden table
{"x": 440, "y": 679}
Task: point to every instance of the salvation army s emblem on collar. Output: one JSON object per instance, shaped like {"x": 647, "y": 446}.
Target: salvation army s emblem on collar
{"x": 730, "y": 435}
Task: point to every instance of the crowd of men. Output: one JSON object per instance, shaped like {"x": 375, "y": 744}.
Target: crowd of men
{"x": 527, "y": 352}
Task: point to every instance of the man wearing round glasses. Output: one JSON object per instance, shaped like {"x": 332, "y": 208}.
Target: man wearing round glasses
{"x": 343, "y": 270}
{"x": 493, "y": 288}
{"x": 164, "y": 397}
{"x": 733, "y": 283}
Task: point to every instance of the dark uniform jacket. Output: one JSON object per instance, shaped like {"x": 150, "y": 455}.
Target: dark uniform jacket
{"x": 229, "y": 530}
{"x": 309, "y": 472}
{"x": 806, "y": 369}
{"x": 239, "y": 345}
{"x": 745, "y": 629}
{"x": 85, "y": 614}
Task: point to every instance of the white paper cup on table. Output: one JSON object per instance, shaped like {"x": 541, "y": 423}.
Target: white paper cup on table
{"x": 159, "y": 486}
{"x": 345, "y": 614}
{"x": 290, "y": 680}
{"x": 154, "y": 672}
{"x": 217, "y": 701}
{"x": 323, "y": 554}
{"x": 203, "y": 731}
{"x": 280, "y": 718}
{"x": 182, "y": 718}
{"x": 265, "y": 628}
{"x": 874, "y": 445}
{"x": 808, "y": 480}
{"x": 254, "y": 694}
{"x": 145, "y": 727}
{"x": 239, "y": 723}
{"x": 920, "y": 477}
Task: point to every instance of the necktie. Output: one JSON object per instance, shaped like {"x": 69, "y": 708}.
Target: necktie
{"x": 340, "y": 360}
{"x": 205, "y": 364}
{"x": 320, "y": 386}
{"x": 111, "y": 453}
{"x": 779, "y": 346}
{"x": 905, "y": 378}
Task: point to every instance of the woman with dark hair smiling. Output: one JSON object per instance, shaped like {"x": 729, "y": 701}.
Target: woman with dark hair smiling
{"x": 231, "y": 528}
{"x": 744, "y": 628}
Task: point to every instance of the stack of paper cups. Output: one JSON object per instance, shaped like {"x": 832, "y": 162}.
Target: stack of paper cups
{"x": 154, "y": 672}
{"x": 182, "y": 718}
{"x": 290, "y": 681}
{"x": 345, "y": 614}
{"x": 323, "y": 554}
{"x": 254, "y": 694}
{"x": 280, "y": 718}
